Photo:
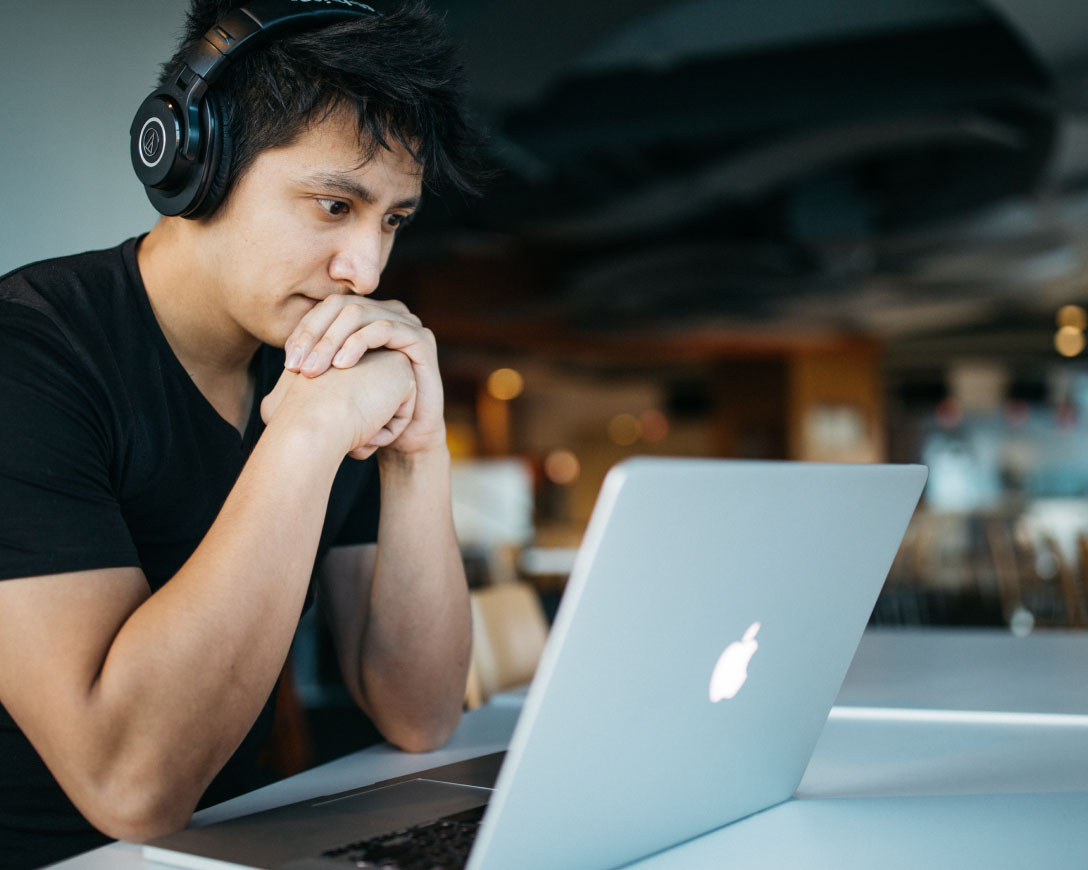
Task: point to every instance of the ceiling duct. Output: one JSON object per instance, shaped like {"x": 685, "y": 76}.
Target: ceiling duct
{"x": 874, "y": 131}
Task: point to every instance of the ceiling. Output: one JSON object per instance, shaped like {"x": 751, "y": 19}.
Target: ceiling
{"x": 905, "y": 169}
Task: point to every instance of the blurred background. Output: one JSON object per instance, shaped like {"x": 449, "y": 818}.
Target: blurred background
{"x": 833, "y": 230}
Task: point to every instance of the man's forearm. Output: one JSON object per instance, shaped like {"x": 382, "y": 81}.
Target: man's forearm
{"x": 415, "y": 651}
{"x": 188, "y": 672}
{"x": 185, "y": 672}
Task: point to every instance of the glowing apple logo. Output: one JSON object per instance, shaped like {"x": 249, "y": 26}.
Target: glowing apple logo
{"x": 731, "y": 671}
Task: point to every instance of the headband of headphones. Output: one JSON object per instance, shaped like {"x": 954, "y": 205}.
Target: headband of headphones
{"x": 176, "y": 137}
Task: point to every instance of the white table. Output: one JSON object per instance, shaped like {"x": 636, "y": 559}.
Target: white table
{"x": 946, "y": 749}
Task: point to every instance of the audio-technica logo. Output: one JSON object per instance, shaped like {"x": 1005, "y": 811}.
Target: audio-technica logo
{"x": 152, "y": 141}
{"x": 352, "y": 4}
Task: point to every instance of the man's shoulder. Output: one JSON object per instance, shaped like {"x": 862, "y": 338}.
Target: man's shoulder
{"x": 68, "y": 276}
{"x": 71, "y": 291}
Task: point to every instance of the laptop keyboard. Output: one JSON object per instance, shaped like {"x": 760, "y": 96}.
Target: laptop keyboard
{"x": 439, "y": 845}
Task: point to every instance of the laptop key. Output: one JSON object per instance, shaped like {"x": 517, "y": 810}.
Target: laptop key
{"x": 443, "y": 844}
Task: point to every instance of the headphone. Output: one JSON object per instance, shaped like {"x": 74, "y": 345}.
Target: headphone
{"x": 179, "y": 145}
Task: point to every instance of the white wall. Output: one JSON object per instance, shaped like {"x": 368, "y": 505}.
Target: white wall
{"x": 72, "y": 74}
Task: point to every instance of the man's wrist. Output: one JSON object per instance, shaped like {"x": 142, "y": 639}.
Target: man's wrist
{"x": 312, "y": 431}
{"x": 393, "y": 462}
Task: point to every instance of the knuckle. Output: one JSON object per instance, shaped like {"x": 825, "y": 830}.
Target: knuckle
{"x": 355, "y": 342}
{"x": 351, "y": 316}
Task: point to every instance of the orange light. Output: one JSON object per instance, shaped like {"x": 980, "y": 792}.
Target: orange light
{"x": 655, "y": 425}
{"x": 505, "y": 384}
{"x": 1073, "y": 316}
{"x": 562, "y": 467}
{"x": 1069, "y": 341}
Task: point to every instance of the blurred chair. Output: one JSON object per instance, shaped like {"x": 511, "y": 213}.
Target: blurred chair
{"x": 509, "y": 631}
{"x": 1070, "y": 584}
{"x": 1007, "y": 564}
{"x": 1082, "y": 571}
{"x": 1038, "y": 581}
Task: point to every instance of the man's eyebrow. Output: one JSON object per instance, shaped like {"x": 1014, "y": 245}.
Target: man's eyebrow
{"x": 348, "y": 186}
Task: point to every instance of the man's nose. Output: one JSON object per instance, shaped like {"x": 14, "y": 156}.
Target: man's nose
{"x": 357, "y": 265}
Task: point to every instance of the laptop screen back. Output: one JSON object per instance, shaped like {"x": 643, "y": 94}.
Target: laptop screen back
{"x": 710, "y": 618}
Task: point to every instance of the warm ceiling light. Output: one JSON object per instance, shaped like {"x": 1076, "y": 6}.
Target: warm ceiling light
{"x": 1069, "y": 341}
{"x": 505, "y": 384}
{"x": 655, "y": 425}
{"x": 1072, "y": 316}
{"x": 562, "y": 467}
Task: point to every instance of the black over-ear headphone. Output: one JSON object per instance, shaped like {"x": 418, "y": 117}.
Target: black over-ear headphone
{"x": 178, "y": 143}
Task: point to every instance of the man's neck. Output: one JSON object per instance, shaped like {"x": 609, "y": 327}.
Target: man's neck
{"x": 183, "y": 292}
{"x": 182, "y": 287}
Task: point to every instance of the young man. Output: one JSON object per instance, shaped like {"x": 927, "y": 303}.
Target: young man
{"x": 199, "y": 421}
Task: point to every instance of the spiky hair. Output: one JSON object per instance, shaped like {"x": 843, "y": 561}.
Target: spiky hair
{"x": 396, "y": 72}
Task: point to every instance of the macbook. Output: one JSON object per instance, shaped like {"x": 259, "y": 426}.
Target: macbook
{"x": 710, "y": 617}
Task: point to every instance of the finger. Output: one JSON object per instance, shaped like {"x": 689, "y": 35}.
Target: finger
{"x": 389, "y": 433}
{"x": 374, "y": 335}
{"x": 350, "y": 320}
{"x": 345, "y": 343}
{"x": 392, "y": 430}
{"x": 352, "y": 351}
{"x": 415, "y": 342}
{"x": 308, "y": 331}
{"x": 314, "y": 325}
{"x": 382, "y": 438}
{"x": 399, "y": 308}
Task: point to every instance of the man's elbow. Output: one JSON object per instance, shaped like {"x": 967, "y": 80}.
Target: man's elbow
{"x": 140, "y": 823}
{"x": 127, "y": 812}
{"x": 424, "y": 736}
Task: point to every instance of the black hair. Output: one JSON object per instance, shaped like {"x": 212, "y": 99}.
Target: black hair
{"x": 397, "y": 72}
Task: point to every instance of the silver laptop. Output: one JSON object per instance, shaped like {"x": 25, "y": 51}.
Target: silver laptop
{"x": 710, "y": 617}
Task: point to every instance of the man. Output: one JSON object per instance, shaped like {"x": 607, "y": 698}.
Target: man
{"x": 199, "y": 421}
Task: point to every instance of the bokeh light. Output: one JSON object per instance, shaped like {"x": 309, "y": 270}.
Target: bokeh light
{"x": 505, "y": 384}
{"x": 655, "y": 425}
{"x": 562, "y": 467}
{"x": 1073, "y": 316}
{"x": 1069, "y": 341}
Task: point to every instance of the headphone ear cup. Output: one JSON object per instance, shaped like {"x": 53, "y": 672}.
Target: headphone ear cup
{"x": 216, "y": 170}
{"x": 155, "y": 137}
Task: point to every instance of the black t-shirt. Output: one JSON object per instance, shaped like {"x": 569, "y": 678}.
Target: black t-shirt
{"x": 110, "y": 457}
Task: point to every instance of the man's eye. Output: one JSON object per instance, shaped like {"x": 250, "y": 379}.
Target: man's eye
{"x": 334, "y": 206}
{"x": 398, "y": 221}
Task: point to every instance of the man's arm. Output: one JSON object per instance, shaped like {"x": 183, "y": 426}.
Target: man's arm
{"x": 399, "y": 611}
{"x": 135, "y": 701}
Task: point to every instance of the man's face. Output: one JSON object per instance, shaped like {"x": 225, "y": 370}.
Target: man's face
{"x": 307, "y": 221}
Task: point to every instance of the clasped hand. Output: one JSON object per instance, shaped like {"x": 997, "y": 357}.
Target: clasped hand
{"x": 337, "y": 333}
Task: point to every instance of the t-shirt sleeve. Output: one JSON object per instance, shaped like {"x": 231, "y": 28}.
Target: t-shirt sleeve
{"x": 59, "y": 508}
